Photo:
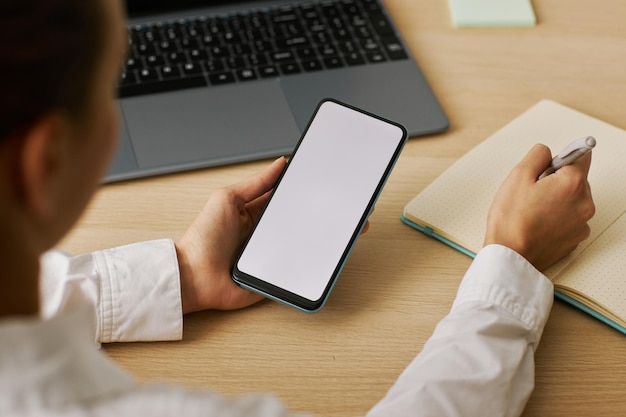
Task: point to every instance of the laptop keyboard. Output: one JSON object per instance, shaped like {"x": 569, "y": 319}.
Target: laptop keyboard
{"x": 263, "y": 43}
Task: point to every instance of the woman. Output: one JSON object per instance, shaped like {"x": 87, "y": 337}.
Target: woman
{"x": 59, "y": 65}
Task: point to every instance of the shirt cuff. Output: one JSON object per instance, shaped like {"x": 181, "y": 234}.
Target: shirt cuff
{"x": 140, "y": 292}
{"x": 502, "y": 277}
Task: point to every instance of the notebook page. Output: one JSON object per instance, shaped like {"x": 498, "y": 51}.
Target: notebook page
{"x": 455, "y": 205}
{"x": 600, "y": 272}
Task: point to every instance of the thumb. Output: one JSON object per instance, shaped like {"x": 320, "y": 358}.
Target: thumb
{"x": 261, "y": 182}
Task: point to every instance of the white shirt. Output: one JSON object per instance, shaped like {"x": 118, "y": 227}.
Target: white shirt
{"x": 478, "y": 362}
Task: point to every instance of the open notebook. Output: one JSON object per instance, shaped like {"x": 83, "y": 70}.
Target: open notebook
{"x": 453, "y": 208}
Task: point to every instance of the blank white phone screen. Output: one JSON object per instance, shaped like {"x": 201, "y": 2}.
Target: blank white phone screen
{"x": 316, "y": 208}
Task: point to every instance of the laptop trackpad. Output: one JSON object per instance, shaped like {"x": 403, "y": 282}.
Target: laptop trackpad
{"x": 230, "y": 124}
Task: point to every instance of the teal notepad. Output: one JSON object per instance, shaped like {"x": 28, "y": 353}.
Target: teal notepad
{"x": 491, "y": 13}
{"x": 453, "y": 208}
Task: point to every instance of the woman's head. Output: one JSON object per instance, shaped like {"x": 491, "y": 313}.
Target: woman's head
{"x": 59, "y": 66}
{"x": 48, "y": 54}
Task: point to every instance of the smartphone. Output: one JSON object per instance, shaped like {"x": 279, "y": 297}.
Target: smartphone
{"x": 319, "y": 205}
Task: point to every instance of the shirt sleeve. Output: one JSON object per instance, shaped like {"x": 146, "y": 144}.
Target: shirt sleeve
{"x": 133, "y": 289}
{"x": 480, "y": 358}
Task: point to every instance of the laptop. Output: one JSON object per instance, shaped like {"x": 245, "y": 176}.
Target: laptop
{"x": 210, "y": 82}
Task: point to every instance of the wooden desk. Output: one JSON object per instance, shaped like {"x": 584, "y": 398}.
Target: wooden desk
{"x": 397, "y": 284}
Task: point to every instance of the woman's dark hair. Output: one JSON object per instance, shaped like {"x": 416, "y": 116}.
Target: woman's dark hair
{"x": 49, "y": 51}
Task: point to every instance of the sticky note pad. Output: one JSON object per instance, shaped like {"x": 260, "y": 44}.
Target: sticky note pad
{"x": 491, "y": 13}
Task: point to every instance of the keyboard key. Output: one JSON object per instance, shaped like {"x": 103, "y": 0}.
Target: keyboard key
{"x": 231, "y": 37}
{"x": 214, "y": 65}
{"x": 218, "y": 51}
{"x": 327, "y": 50}
{"x": 341, "y": 34}
{"x": 150, "y": 35}
{"x": 165, "y": 46}
{"x": 357, "y": 21}
{"x": 304, "y": 53}
{"x": 286, "y": 16}
{"x": 354, "y": 58}
{"x": 394, "y": 48}
{"x": 290, "y": 68}
{"x": 329, "y": 10}
{"x": 257, "y": 60}
{"x": 246, "y": 74}
{"x": 268, "y": 71}
{"x": 241, "y": 49}
{"x": 348, "y": 47}
{"x": 311, "y": 65}
{"x": 375, "y": 57}
{"x": 370, "y": 44}
{"x": 154, "y": 61}
{"x": 198, "y": 54}
{"x": 333, "y": 62}
{"x": 316, "y": 26}
{"x": 133, "y": 63}
{"x": 147, "y": 74}
{"x": 292, "y": 42}
{"x": 209, "y": 40}
{"x": 220, "y": 78}
{"x": 176, "y": 57}
{"x": 363, "y": 32}
{"x": 146, "y": 49}
{"x": 350, "y": 8}
{"x": 189, "y": 43}
{"x": 320, "y": 37}
{"x": 168, "y": 71}
{"x": 282, "y": 56}
{"x": 191, "y": 68}
{"x": 371, "y": 6}
{"x": 173, "y": 33}
{"x": 293, "y": 30}
{"x": 235, "y": 62}
{"x": 261, "y": 46}
{"x": 257, "y": 20}
{"x": 381, "y": 25}
{"x": 309, "y": 11}
{"x": 336, "y": 22}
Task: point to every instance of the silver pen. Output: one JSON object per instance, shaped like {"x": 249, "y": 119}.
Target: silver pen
{"x": 570, "y": 154}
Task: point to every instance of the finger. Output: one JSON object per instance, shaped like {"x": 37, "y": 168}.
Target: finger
{"x": 535, "y": 162}
{"x": 255, "y": 207}
{"x": 260, "y": 183}
{"x": 584, "y": 163}
{"x": 577, "y": 171}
